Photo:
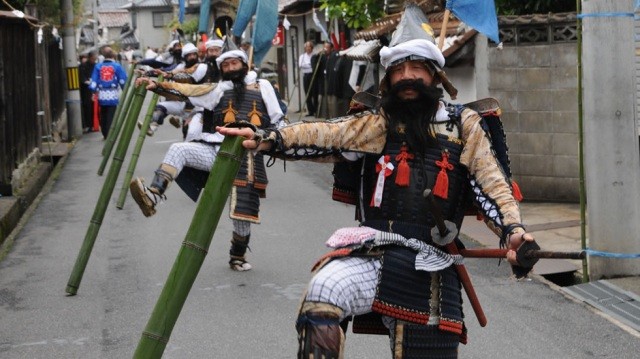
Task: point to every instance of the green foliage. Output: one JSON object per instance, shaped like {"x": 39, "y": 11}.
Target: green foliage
{"x": 189, "y": 27}
{"x": 356, "y": 14}
{"x": 520, "y": 7}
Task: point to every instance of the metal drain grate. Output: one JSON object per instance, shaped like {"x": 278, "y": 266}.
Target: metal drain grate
{"x": 620, "y": 304}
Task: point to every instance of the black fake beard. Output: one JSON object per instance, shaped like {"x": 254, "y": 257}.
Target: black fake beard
{"x": 211, "y": 59}
{"x": 176, "y": 54}
{"x": 237, "y": 77}
{"x": 190, "y": 63}
{"x": 416, "y": 115}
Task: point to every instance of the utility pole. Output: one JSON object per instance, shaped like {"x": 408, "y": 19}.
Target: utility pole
{"x": 74, "y": 121}
{"x": 94, "y": 14}
{"x": 612, "y": 156}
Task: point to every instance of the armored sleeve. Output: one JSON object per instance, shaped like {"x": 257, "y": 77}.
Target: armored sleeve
{"x": 490, "y": 185}
{"x": 175, "y": 91}
{"x": 363, "y": 132}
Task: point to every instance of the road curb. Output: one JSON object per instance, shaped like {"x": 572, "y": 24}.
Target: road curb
{"x": 16, "y": 210}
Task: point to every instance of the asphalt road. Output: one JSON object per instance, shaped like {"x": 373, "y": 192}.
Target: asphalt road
{"x": 229, "y": 314}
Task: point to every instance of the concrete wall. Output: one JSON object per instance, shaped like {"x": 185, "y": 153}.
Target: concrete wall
{"x": 537, "y": 90}
{"x": 462, "y": 77}
{"x": 156, "y": 37}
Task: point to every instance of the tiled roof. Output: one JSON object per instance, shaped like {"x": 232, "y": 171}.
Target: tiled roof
{"x": 388, "y": 23}
{"x": 284, "y": 3}
{"x": 148, "y": 3}
{"x": 86, "y": 36}
{"x": 293, "y": 7}
{"x": 114, "y": 18}
{"x": 368, "y": 49}
{"x": 129, "y": 38}
{"x": 363, "y": 50}
{"x": 111, "y": 4}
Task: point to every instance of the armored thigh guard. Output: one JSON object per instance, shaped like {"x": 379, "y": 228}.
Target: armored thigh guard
{"x": 319, "y": 333}
{"x": 417, "y": 341}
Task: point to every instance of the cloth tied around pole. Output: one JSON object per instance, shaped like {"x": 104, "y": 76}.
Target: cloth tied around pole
{"x": 429, "y": 258}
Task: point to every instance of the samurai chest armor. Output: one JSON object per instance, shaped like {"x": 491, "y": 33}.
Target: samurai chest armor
{"x": 248, "y": 107}
{"x": 400, "y": 196}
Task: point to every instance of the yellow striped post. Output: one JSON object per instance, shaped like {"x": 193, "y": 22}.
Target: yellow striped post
{"x": 73, "y": 78}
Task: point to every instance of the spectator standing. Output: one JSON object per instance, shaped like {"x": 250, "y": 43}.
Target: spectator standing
{"x": 332, "y": 79}
{"x": 344, "y": 91}
{"x": 306, "y": 70}
{"x": 319, "y": 62}
{"x": 107, "y": 79}
{"x": 86, "y": 95}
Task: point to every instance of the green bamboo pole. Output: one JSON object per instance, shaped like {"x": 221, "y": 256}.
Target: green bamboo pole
{"x": 136, "y": 150}
{"x": 116, "y": 127}
{"x": 194, "y": 249}
{"x": 583, "y": 190}
{"x": 105, "y": 194}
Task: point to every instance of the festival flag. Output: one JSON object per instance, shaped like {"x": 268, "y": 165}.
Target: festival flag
{"x": 479, "y": 14}
{"x": 264, "y": 28}
{"x": 246, "y": 10}
{"x": 203, "y": 22}
{"x": 181, "y": 11}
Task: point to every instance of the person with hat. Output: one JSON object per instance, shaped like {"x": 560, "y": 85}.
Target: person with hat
{"x": 213, "y": 48}
{"x": 308, "y": 79}
{"x": 414, "y": 160}
{"x": 189, "y": 71}
{"x": 86, "y": 95}
{"x": 239, "y": 97}
{"x": 193, "y": 123}
{"x": 166, "y": 61}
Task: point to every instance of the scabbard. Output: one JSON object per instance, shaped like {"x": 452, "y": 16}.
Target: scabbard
{"x": 468, "y": 287}
{"x": 502, "y": 253}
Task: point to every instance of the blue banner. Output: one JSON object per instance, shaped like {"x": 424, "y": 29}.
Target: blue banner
{"x": 181, "y": 11}
{"x": 203, "y": 22}
{"x": 479, "y": 14}
{"x": 246, "y": 10}
{"x": 264, "y": 29}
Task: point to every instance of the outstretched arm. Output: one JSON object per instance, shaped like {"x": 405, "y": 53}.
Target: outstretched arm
{"x": 252, "y": 140}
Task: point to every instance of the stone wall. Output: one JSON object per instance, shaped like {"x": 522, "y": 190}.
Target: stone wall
{"x": 536, "y": 86}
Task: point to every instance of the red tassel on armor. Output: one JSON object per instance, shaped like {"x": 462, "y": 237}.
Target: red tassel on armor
{"x": 517, "y": 194}
{"x": 441, "y": 188}
{"x": 403, "y": 174}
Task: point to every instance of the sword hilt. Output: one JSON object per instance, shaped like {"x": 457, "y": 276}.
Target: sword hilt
{"x": 435, "y": 211}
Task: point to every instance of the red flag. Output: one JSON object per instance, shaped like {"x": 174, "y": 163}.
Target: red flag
{"x": 96, "y": 113}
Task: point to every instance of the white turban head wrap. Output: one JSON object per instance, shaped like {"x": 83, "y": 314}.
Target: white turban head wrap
{"x": 213, "y": 43}
{"x": 413, "y": 48}
{"x": 232, "y": 53}
{"x": 188, "y": 48}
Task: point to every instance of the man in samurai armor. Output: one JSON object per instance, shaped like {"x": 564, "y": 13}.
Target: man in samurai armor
{"x": 166, "y": 61}
{"x": 390, "y": 271}
{"x": 189, "y": 71}
{"x": 240, "y": 97}
{"x": 192, "y": 125}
